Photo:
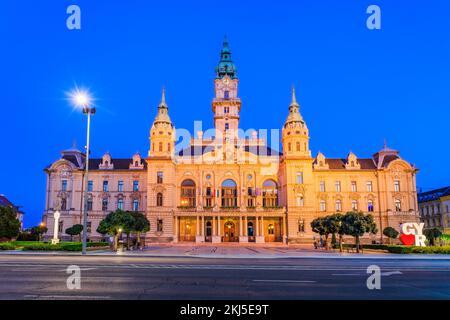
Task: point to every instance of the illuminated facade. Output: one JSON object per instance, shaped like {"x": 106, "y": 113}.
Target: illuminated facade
{"x": 232, "y": 187}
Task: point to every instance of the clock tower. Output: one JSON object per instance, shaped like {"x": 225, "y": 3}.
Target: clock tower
{"x": 226, "y": 105}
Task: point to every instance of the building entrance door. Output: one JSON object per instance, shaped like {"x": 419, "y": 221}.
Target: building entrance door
{"x": 208, "y": 231}
{"x": 229, "y": 232}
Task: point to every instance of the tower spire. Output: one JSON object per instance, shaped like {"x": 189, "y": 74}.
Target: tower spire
{"x": 163, "y": 111}
{"x": 294, "y": 99}
{"x": 226, "y": 66}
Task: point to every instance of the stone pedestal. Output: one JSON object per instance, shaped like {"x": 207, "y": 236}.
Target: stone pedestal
{"x": 243, "y": 239}
{"x": 259, "y": 239}
{"x": 175, "y": 239}
{"x": 199, "y": 239}
{"x": 56, "y": 216}
{"x": 216, "y": 239}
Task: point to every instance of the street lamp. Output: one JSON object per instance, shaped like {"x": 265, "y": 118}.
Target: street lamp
{"x": 81, "y": 99}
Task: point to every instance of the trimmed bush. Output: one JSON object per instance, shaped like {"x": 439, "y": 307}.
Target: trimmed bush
{"x": 7, "y": 246}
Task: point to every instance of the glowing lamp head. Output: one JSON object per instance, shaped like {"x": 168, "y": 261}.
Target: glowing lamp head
{"x": 80, "y": 98}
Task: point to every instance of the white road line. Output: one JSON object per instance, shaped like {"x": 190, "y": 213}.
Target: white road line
{"x": 346, "y": 274}
{"x": 65, "y": 297}
{"x": 287, "y": 281}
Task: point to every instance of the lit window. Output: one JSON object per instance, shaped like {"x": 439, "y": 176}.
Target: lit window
{"x": 301, "y": 225}
{"x": 354, "y": 189}
{"x": 271, "y": 229}
{"x": 354, "y": 205}
{"x": 369, "y": 186}
{"x": 397, "y": 186}
{"x": 187, "y": 196}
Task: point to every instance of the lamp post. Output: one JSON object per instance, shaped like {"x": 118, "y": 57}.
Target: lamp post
{"x": 82, "y": 100}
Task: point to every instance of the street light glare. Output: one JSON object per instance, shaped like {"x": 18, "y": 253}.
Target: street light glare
{"x": 80, "y": 98}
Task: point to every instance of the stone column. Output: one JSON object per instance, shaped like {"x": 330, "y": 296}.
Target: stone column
{"x": 217, "y": 238}
{"x": 214, "y": 227}
{"x": 242, "y": 235}
{"x": 260, "y": 230}
{"x": 175, "y": 229}
{"x": 284, "y": 239}
{"x": 199, "y": 238}
{"x": 203, "y": 227}
{"x": 56, "y": 216}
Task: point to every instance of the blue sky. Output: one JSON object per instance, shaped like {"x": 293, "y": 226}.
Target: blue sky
{"x": 356, "y": 86}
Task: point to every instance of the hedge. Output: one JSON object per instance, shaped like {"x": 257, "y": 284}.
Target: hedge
{"x": 62, "y": 246}
{"x": 403, "y": 249}
{"x": 7, "y": 246}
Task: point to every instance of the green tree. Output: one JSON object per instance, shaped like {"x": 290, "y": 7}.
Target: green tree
{"x": 432, "y": 234}
{"x": 114, "y": 223}
{"x": 9, "y": 224}
{"x": 335, "y": 226}
{"x": 74, "y": 230}
{"x": 38, "y": 231}
{"x": 320, "y": 226}
{"x": 391, "y": 233}
{"x": 141, "y": 225}
{"x": 356, "y": 224}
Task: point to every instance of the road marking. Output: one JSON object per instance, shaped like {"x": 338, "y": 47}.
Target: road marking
{"x": 390, "y": 273}
{"x": 64, "y": 297}
{"x": 287, "y": 281}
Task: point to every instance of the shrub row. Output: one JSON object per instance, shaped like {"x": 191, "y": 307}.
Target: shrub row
{"x": 62, "y": 246}
{"x": 7, "y": 246}
{"x": 402, "y": 249}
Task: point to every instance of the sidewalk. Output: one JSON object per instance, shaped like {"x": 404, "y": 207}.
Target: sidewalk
{"x": 234, "y": 252}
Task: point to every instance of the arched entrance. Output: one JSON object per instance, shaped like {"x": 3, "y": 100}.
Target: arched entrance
{"x": 250, "y": 232}
{"x": 229, "y": 232}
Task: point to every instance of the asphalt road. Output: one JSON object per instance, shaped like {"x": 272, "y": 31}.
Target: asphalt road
{"x": 44, "y": 277}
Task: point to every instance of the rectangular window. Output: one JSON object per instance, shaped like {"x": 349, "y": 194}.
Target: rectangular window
{"x": 397, "y": 186}
{"x": 323, "y": 206}
{"x": 88, "y": 226}
{"x": 105, "y": 205}
{"x": 227, "y": 126}
{"x": 354, "y": 205}
{"x": 61, "y": 226}
{"x": 120, "y": 186}
{"x": 90, "y": 185}
{"x": 301, "y": 225}
{"x": 370, "y": 206}
{"x": 338, "y": 206}
{"x": 299, "y": 178}
{"x": 120, "y": 204}
{"x": 159, "y": 225}
{"x": 135, "y": 185}
{"x": 136, "y": 205}
{"x": 322, "y": 186}
{"x": 226, "y": 95}
{"x": 105, "y": 186}
{"x": 64, "y": 185}
{"x": 354, "y": 189}
{"x": 159, "y": 177}
{"x": 337, "y": 186}
{"x": 300, "y": 201}
{"x": 369, "y": 186}
{"x": 89, "y": 205}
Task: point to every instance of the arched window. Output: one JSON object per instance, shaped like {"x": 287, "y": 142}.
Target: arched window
{"x": 270, "y": 194}
{"x": 187, "y": 198}
{"x": 300, "y": 200}
{"x": 398, "y": 205}
{"x": 250, "y": 229}
{"x": 160, "y": 147}
{"x": 229, "y": 193}
{"x": 270, "y": 229}
{"x": 289, "y": 147}
{"x": 159, "y": 199}
{"x": 297, "y": 146}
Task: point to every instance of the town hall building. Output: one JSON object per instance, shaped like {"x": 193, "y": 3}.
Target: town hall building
{"x": 229, "y": 187}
